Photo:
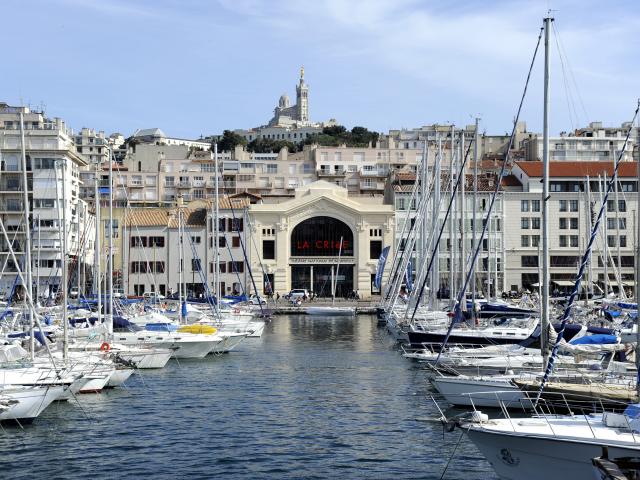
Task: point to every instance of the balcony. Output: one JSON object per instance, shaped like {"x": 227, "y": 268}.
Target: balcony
{"x": 332, "y": 173}
{"x": 371, "y": 186}
{"x": 199, "y": 183}
{"x": 373, "y": 173}
{"x": 136, "y": 183}
{"x": 11, "y": 207}
{"x": 184, "y": 184}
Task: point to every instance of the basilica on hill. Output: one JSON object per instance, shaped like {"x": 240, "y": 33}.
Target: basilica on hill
{"x": 297, "y": 115}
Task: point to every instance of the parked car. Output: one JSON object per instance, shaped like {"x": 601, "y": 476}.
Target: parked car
{"x": 118, "y": 293}
{"x": 256, "y": 300}
{"x": 153, "y": 296}
{"x": 297, "y": 293}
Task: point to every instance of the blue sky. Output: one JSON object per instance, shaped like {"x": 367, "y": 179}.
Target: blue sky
{"x": 195, "y": 67}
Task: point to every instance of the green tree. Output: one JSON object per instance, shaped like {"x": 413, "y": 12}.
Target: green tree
{"x": 230, "y": 140}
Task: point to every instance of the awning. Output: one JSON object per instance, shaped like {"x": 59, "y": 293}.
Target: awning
{"x": 563, "y": 283}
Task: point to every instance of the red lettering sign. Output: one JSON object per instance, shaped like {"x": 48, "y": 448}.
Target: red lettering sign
{"x": 323, "y": 245}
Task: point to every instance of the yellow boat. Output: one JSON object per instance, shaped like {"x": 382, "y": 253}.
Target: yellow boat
{"x": 205, "y": 329}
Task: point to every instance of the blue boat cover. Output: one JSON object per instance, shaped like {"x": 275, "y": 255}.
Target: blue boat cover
{"x": 161, "y": 327}
{"x": 633, "y": 410}
{"x": 597, "y": 339}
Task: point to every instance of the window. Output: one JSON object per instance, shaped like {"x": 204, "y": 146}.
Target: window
{"x": 573, "y": 239}
{"x": 535, "y": 205}
{"x": 235, "y": 225}
{"x": 611, "y": 204}
{"x": 622, "y": 206}
{"x": 529, "y": 261}
{"x": 222, "y": 242}
{"x": 611, "y": 240}
{"x": 622, "y": 225}
{"x": 563, "y": 223}
{"x": 563, "y": 205}
{"x": 235, "y": 241}
{"x": 44, "y": 203}
{"x": 524, "y": 241}
{"x": 375, "y": 249}
{"x": 611, "y": 223}
{"x": 269, "y": 249}
{"x": 195, "y": 264}
{"x": 573, "y": 205}
{"x": 574, "y": 223}
{"x": 623, "y": 240}
{"x": 535, "y": 223}
{"x": 535, "y": 240}
{"x": 524, "y": 223}
{"x": 524, "y": 205}
{"x": 563, "y": 241}
{"x": 157, "y": 242}
{"x": 138, "y": 242}
{"x": 196, "y": 239}
{"x": 221, "y": 224}
{"x": 236, "y": 267}
{"x": 272, "y": 168}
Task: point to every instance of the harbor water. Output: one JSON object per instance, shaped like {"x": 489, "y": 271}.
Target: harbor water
{"x": 313, "y": 398}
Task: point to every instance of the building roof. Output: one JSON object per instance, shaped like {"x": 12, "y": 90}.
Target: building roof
{"x": 511, "y": 181}
{"x": 195, "y": 214}
{"x": 579, "y": 169}
{"x": 149, "y": 132}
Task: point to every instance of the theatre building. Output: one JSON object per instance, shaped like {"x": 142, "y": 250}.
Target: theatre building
{"x": 320, "y": 235}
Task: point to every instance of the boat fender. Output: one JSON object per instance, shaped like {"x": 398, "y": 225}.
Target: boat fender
{"x": 105, "y": 347}
{"x": 479, "y": 417}
{"x": 236, "y": 311}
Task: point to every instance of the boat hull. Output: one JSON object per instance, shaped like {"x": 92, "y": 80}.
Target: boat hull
{"x": 516, "y": 456}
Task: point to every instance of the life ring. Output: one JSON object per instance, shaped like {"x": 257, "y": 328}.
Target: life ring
{"x": 105, "y": 347}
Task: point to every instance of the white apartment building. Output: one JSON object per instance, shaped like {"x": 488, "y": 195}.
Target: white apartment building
{"x": 574, "y": 204}
{"x": 363, "y": 170}
{"x": 93, "y": 145}
{"x": 588, "y": 144}
{"x": 53, "y": 183}
{"x": 489, "y": 272}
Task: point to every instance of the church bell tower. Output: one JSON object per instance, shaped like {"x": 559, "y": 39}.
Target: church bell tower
{"x": 302, "y": 99}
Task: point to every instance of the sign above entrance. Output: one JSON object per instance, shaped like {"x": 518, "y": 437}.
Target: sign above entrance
{"x": 322, "y": 261}
{"x": 322, "y": 237}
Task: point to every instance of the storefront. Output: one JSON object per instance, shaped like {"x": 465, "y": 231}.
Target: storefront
{"x": 322, "y": 240}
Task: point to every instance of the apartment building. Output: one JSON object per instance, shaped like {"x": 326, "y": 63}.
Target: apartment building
{"x": 489, "y": 273}
{"x": 576, "y": 190}
{"x": 148, "y": 247}
{"x": 53, "y": 185}
{"x": 593, "y": 143}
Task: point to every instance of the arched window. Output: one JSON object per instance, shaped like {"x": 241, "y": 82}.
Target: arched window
{"x": 320, "y": 237}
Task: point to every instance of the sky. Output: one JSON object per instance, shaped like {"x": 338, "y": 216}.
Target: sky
{"x": 197, "y": 67}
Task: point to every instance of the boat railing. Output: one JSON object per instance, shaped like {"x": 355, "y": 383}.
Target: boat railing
{"x": 553, "y": 405}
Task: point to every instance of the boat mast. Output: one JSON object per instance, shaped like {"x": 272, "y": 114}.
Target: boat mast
{"x": 451, "y": 219}
{"x": 335, "y": 287}
{"x": 463, "y": 230}
{"x": 63, "y": 245}
{"x": 637, "y": 259}
{"x": 27, "y": 236}
{"x": 435, "y": 223}
{"x": 475, "y": 221}
{"x": 98, "y": 270}
{"x": 605, "y": 240}
{"x": 544, "y": 323}
{"x": 216, "y": 228}
{"x": 110, "y": 255}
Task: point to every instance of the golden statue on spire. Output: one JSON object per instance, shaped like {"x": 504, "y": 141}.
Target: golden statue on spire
{"x": 302, "y": 72}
